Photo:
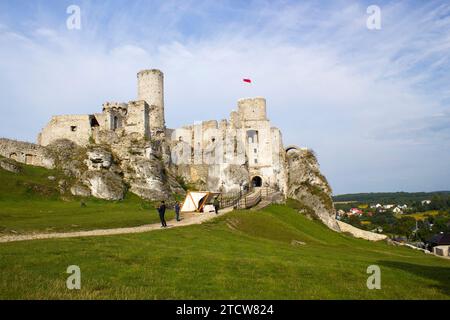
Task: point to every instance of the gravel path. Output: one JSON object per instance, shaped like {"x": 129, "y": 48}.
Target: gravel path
{"x": 187, "y": 219}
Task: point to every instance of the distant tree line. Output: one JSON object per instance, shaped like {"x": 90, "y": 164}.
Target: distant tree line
{"x": 390, "y": 197}
{"x": 439, "y": 202}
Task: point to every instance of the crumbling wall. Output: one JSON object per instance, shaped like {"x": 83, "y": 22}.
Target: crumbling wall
{"x": 252, "y": 109}
{"x": 226, "y": 148}
{"x": 137, "y": 119}
{"x": 26, "y": 152}
{"x": 76, "y": 128}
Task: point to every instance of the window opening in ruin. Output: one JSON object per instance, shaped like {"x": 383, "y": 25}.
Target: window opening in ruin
{"x": 94, "y": 122}
{"x": 235, "y": 146}
{"x": 13, "y": 156}
{"x": 213, "y": 139}
{"x": 29, "y": 159}
{"x": 256, "y": 181}
{"x": 256, "y": 160}
{"x": 115, "y": 123}
{"x": 252, "y": 136}
{"x": 73, "y": 128}
{"x": 255, "y": 151}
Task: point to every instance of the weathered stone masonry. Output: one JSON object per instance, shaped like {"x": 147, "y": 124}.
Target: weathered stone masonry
{"x": 25, "y": 152}
{"x": 128, "y": 146}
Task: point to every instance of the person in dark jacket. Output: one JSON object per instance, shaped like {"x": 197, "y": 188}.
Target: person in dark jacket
{"x": 216, "y": 204}
{"x": 177, "y": 211}
{"x": 162, "y": 212}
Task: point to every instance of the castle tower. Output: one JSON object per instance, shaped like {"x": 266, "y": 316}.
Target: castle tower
{"x": 151, "y": 89}
{"x": 252, "y": 109}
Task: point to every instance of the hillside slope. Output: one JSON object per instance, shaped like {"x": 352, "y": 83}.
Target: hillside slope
{"x": 30, "y": 201}
{"x": 276, "y": 253}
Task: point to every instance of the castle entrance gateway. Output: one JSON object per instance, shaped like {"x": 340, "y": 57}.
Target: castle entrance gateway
{"x": 256, "y": 181}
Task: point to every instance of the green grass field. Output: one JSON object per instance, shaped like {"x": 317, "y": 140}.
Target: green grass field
{"x": 422, "y": 215}
{"x": 30, "y": 202}
{"x": 241, "y": 255}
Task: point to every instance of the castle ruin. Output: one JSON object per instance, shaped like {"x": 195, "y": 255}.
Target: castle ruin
{"x": 127, "y": 147}
{"x": 221, "y": 155}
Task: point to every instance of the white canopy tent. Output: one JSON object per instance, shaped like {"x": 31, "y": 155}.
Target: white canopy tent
{"x": 196, "y": 200}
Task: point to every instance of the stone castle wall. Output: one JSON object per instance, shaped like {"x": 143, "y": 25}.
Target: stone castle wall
{"x": 137, "y": 119}
{"x": 223, "y": 154}
{"x": 25, "y": 152}
{"x": 235, "y": 152}
{"x": 252, "y": 108}
{"x": 76, "y": 128}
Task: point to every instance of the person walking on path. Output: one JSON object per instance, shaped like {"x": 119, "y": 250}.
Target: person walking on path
{"x": 177, "y": 211}
{"x": 162, "y": 212}
{"x": 216, "y": 205}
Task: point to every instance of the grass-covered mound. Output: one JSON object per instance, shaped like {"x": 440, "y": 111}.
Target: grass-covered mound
{"x": 276, "y": 253}
{"x": 31, "y": 202}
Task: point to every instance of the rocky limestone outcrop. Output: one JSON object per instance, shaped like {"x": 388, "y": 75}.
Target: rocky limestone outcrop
{"x": 107, "y": 170}
{"x": 80, "y": 190}
{"x": 147, "y": 178}
{"x": 68, "y": 157}
{"x": 307, "y": 185}
{"x": 98, "y": 158}
{"x": 143, "y": 166}
{"x": 104, "y": 184}
{"x": 10, "y": 165}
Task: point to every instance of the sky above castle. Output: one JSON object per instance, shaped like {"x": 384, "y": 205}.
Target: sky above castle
{"x": 373, "y": 103}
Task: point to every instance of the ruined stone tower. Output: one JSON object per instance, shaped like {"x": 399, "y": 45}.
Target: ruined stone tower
{"x": 151, "y": 90}
{"x": 252, "y": 109}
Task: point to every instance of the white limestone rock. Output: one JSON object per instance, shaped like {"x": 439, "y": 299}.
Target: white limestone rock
{"x": 10, "y": 165}
{"x": 68, "y": 157}
{"x": 98, "y": 159}
{"x": 307, "y": 185}
{"x": 80, "y": 190}
{"x": 147, "y": 178}
{"x": 104, "y": 184}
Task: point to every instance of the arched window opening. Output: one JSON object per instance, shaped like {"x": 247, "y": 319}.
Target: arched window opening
{"x": 94, "y": 122}
{"x": 256, "y": 181}
{"x": 115, "y": 122}
{"x": 252, "y": 136}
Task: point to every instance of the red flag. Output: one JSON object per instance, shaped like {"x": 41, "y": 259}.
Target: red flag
{"x": 247, "y": 80}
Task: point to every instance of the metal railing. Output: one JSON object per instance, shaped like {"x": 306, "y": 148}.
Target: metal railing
{"x": 250, "y": 200}
{"x": 231, "y": 199}
{"x": 245, "y": 199}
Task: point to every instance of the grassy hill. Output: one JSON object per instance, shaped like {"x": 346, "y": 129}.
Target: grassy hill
{"x": 31, "y": 202}
{"x": 241, "y": 255}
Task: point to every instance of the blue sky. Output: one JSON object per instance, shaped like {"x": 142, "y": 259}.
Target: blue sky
{"x": 373, "y": 104}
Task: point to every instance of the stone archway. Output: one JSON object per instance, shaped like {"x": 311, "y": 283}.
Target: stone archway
{"x": 292, "y": 147}
{"x": 256, "y": 181}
